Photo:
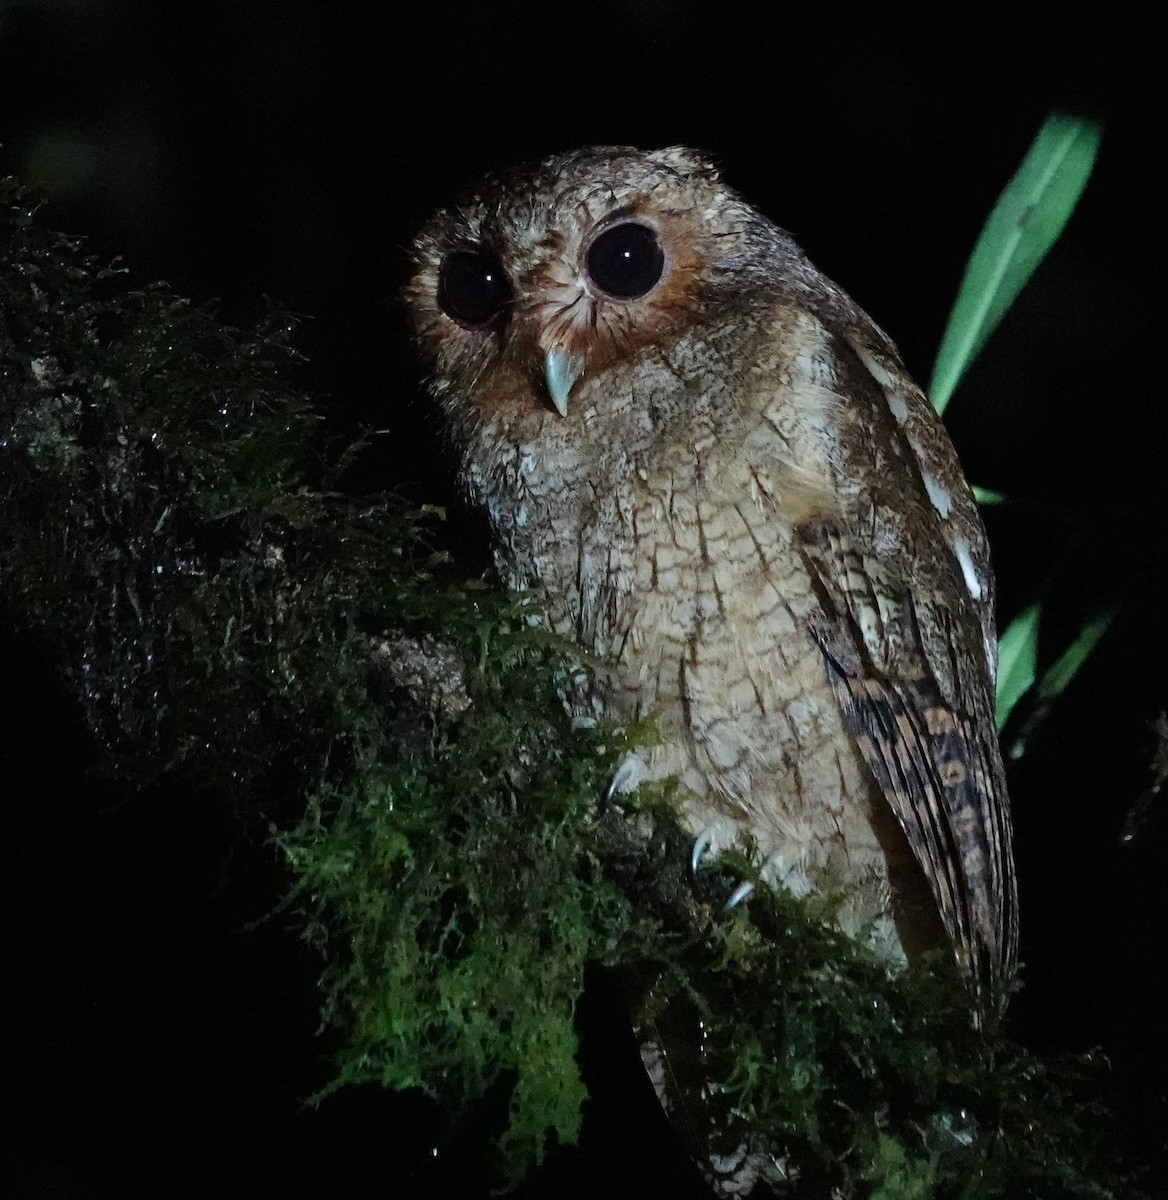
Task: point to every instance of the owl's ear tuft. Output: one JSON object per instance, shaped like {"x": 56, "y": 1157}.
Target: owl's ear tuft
{"x": 686, "y": 162}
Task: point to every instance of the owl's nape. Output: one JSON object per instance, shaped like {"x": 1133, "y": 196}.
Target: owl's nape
{"x": 717, "y": 471}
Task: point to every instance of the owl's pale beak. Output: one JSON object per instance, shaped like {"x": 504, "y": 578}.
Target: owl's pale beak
{"x": 561, "y": 369}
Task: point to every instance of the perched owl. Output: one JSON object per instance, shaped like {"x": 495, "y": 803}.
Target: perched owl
{"x": 714, "y": 465}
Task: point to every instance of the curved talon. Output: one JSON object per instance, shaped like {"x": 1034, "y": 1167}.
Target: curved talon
{"x": 703, "y": 844}
{"x": 624, "y": 776}
{"x": 738, "y": 895}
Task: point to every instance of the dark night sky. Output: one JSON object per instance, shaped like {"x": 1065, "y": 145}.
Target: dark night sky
{"x": 156, "y": 1047}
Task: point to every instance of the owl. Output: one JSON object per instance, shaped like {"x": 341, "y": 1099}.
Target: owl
{"x": 715, "y": 468}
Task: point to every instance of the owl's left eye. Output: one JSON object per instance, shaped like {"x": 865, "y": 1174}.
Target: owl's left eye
{"x": 626, "y": 261}
{"x": 472, "y": 287}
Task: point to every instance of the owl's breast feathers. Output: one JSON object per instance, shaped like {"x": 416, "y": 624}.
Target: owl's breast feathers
{"x": 787, "y": 561}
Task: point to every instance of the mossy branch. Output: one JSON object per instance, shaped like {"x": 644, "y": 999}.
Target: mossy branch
{"x": 221, "y": 615}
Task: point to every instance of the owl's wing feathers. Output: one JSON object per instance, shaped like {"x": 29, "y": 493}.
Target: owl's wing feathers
{"x": 907, "y": 640}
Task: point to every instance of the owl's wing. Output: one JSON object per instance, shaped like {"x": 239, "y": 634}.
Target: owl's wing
{"x": 908, "y": 643}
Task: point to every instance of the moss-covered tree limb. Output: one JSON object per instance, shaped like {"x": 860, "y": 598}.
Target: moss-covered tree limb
{"x": 167, "y": 525}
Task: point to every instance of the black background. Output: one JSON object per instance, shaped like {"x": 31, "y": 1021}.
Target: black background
{"x": 155, "y": 1043}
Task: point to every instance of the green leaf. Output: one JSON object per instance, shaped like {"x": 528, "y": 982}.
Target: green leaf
{"x": 1017, "y": 660}
{"x": 1029, "y": 216}
{"x": 1066, "y": 666}
{"x": 987, "y": 496}
{"x": 1059, "y": 674}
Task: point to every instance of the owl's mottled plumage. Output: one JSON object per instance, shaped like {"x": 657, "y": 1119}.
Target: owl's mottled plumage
{"x": 733, "y": 494}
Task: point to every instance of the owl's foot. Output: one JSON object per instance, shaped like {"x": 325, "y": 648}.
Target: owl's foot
{"x": 786, "y": 868}
{"x": 631, "y": 773}
{"x": 721, "y": 834}
{"x": 708, "y": 844}
{"x": 705, "y": 843}
{"x": 740, "y": 893}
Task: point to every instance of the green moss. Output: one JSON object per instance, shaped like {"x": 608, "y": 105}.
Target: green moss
{"x": 459, "y": 909}
{"x": 897, "y": 1175}
{"x": 166, "y": 524}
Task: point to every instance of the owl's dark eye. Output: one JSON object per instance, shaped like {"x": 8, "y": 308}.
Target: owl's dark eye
{"x": 472, "y": 287}
{"x": 626, "y": 261}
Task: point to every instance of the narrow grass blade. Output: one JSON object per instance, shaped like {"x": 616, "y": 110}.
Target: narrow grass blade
{"x": 1066, "y": 666}
{"x": 1017, "y": 660}
{"x": 1029, "y": 216}
{"x": 1059, "y": 674}
{"x": 987, "y": 496}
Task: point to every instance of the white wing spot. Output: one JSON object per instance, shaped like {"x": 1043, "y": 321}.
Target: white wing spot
{"x": 887, "y": 381}
{"x": 991, "y": 654}
{"x": 939, "y": 495}
{"x": 897, "y": 406}
{"x": 879, "y": 372}
{"x": 972, "y": 582}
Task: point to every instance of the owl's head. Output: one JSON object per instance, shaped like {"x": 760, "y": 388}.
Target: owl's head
{"x": 562, "y": 271}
